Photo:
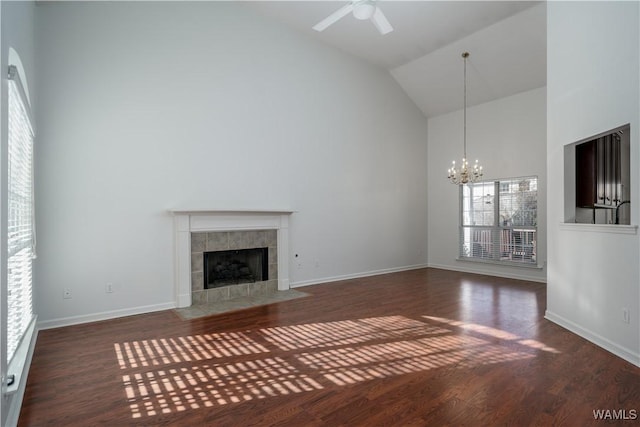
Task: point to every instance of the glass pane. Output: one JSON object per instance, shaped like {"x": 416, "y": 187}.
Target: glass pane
{"x": 518, "y": 202}
{"x": 18, "y": 297}
{"x": 478, "y": 204}
{"x": 477, "y": 242}
{"x": 518, "y": 245}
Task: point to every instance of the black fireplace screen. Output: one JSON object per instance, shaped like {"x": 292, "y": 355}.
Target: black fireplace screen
{"x": 223, "y": 268}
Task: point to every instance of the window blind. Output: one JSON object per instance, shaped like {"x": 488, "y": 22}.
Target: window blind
{"x": 21, "y": 228}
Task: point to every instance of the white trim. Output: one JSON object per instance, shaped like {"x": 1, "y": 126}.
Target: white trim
{"x": 599, "y": 228}
{"x": 357, "y": 275}
{"x": 20, "y": 366}
{"x": 229, "y": 211}
{"x": 618, "y": 350}
{"x": 530, "y": 266}
{"x": 14, "y": 76}
{"x": 14, "y": 59}
{"x": 105, "y": 315}
{"x": 18, "y": 362}
{"x": 491, "y": 273}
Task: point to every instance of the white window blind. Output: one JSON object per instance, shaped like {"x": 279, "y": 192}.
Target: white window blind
{"x": 499, "y": 221}
{"x": 21, "y": 229}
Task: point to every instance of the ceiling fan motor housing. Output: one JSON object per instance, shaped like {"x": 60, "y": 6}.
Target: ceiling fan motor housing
{"x": 363, "y": 10}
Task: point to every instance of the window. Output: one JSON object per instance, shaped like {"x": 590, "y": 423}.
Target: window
{"x": 499, "y": 220}
{"x": 20, "y": 228}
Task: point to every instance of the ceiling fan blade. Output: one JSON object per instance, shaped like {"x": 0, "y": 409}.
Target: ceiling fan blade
{"x": 380, "y": 22}
{"x": 334, "y": 17}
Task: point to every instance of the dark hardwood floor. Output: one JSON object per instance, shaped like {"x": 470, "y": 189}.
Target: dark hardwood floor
{"x": 423, "y": 347}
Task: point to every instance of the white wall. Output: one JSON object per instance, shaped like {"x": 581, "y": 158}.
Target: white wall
{"x": 149, "y": 106}
{"x": 16, "y": 33}
{"x": 508, "y": 137}
{"x": 592, "y": 86}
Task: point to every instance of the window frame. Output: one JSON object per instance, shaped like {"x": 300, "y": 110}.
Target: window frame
{"x": 27, "y": 320}
{"x": 495, "y": 233}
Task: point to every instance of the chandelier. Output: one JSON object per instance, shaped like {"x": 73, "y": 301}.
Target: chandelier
{"x": 462, "y": 174}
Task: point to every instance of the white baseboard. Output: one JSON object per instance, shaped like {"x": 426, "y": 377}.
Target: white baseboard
{"x": 618, "y": 350}
{"x": 105, "y": 315}
{"x": 506, "y": 275}
{"x": 356, "y": 275}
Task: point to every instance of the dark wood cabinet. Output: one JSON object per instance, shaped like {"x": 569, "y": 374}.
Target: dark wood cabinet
{"x": 586, "y": 174}
{"x": 598, "y": 173}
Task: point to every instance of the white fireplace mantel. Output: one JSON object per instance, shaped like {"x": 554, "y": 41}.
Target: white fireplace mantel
{"x": 187, "y": 221}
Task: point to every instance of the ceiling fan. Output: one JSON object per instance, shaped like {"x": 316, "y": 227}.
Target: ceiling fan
{"x": 362, "y": 10}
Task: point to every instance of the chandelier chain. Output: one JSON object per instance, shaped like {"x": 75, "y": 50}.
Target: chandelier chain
{"x": 464, "y": 138}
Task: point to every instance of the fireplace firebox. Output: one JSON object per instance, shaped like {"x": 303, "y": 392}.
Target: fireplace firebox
{"x": 224, "y": 268}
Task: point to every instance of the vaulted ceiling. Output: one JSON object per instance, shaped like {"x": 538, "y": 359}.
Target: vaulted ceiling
{"x": 506, "y": 41}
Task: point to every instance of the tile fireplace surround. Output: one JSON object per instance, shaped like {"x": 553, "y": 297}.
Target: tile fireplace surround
{"x": 238, "y": 229}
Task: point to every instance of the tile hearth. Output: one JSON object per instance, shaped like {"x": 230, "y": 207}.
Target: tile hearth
{"x": 239, "y": 303}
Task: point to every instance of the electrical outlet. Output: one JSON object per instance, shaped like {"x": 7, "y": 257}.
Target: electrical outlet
{"x": 109, "y": 288}
{"x": 66, "y": 293}
{"x": 625, "y": 315}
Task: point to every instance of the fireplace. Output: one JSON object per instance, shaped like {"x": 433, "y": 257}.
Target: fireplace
{"x": 234, "y": 267}
{"x": 236, "y": 263}
{"x": 205, "y": 230}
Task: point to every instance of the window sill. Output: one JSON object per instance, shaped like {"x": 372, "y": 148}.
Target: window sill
{"x": 502, "y": 263}
{"x": 599, "y": 228}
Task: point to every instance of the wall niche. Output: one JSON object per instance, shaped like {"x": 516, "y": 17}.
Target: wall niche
{"x": 597, "y": 179}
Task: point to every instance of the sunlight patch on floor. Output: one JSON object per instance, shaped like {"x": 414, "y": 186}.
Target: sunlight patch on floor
{"x": 175, "y": 390}
{"x": 492, "y": 332}
{"x": 175, "y": 374}
{"x": 348, "y": 332}
{"x": 163, "y": 351}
